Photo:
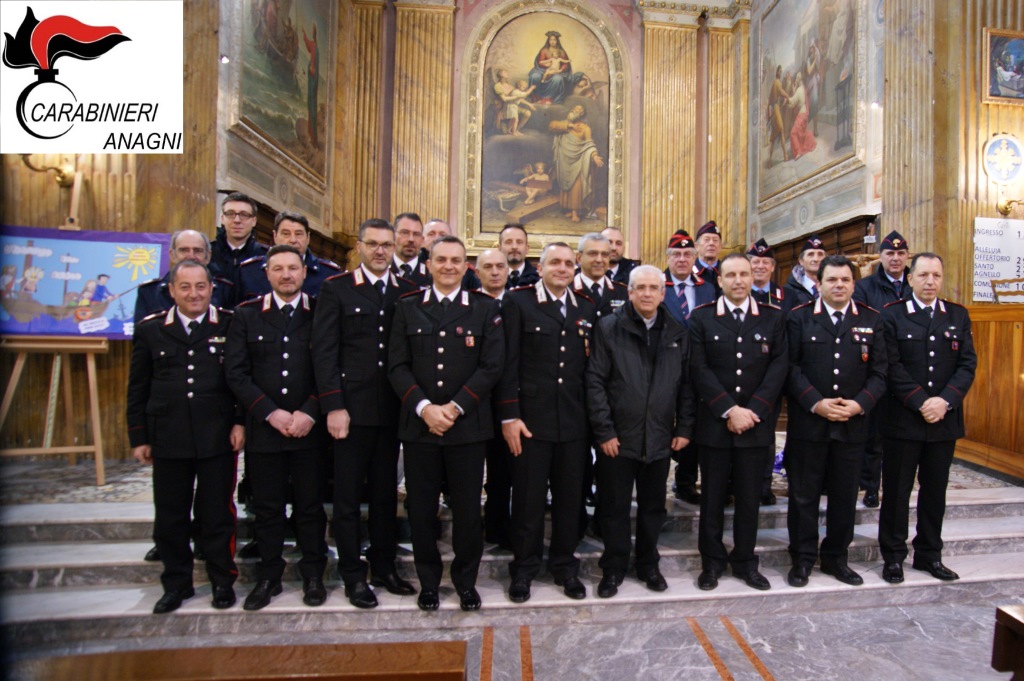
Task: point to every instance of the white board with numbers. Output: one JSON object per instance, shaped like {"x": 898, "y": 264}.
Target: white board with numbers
{"x": 998, "y": 254}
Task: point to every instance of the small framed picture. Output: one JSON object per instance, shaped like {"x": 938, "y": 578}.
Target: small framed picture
{"x": 1004, "y": 67}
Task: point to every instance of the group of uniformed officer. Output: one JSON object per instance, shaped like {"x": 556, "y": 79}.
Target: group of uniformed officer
{"x": 529, "y": 369}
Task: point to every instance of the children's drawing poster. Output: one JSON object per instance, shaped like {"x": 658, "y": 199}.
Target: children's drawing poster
{"x": 72, "y": 283}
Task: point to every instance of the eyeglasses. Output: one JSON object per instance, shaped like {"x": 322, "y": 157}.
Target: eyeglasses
{"x": 231, "y": 215}
{"x": 374, "y": 246}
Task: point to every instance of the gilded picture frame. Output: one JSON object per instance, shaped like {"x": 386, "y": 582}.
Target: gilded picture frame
{"x": 1003, "y": 67}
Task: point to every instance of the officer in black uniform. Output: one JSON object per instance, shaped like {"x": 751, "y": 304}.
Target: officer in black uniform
{"x": 446, "y": 353}
{"x": 802, "y": 285}
{"x": 837, "y": 366}
{"x": 292, "y": 229}
{"x": 409, "y": 261}
{"x": 155, "y": 296}
{"x": 236, "y": 240}
{"x": 619, "y": 266}
{"x": 738, "y": 365}
{"x": 514, "y": 242}
{"x": 931, "y": 368}
{"x": 353, "y": 326}
{"x": 182, "y": 421}
{"x": 888, "y": 284}
{"x": 708, "y": 241}
{"x": 270, "y": 369}
{"x": 766, "y": 292}
{"x": 544, "y": 419}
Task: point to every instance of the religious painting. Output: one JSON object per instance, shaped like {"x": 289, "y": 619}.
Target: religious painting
{"x": 808, "y": 86}
{"x": 75, "y": 283}
{"x": 285, "y": 94}
{"x": 1004, "y": 66}
{"x": 544, "y": 152}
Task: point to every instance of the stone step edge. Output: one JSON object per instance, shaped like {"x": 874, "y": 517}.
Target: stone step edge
{"x": 25, "y": 606}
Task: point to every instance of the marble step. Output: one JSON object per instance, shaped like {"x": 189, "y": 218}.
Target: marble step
{"x": 103, "y": 614}
{"x": 46, "y": 564}
{"x": 134, "y": 521}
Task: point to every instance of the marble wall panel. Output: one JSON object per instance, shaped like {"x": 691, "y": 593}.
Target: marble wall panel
{"x": 728, "y": 69}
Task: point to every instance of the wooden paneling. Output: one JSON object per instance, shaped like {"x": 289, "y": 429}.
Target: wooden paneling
{"x": 422, "y": 110}
{"x": 670, "y": 109}
{"x": 992, "y": 411}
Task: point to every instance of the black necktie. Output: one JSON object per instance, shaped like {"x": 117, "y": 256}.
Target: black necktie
{"x": 445, "y": 302}
{"x": 513, "y": 278}
{"x": 838, "y": 317}
{"x": 898, "y": 285}
{"x": 192, "y": 326}
{"x": 595, "y": 288}
{"x": 406, "y": 270}
{"x": 738, "y": 314}
{"x": 928, "y": 309}
{"x": 287, "y": 310}
{"x": 379, "y": 285}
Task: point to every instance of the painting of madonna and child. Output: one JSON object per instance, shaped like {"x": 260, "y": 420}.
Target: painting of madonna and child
{"x": 544, "y": 161}
{"x": 807, "y": 86}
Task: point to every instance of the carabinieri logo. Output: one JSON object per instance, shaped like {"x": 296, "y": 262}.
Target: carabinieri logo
{"x": 38, "y": 45}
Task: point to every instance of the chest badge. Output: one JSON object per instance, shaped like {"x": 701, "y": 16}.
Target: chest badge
{"x": 470, "y": 341}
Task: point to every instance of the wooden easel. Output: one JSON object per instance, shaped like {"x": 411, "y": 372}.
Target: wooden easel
{"x": 61, "y": 347}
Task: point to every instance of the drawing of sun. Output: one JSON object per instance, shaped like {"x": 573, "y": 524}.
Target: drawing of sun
{"x": 141, "y": 259}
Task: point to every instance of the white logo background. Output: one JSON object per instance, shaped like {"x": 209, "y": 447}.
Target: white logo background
{"x": 148, "y": 69}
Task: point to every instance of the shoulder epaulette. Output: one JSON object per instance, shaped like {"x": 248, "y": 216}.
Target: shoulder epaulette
{"x": 409, "y": 294}
{"x": 224, "y": 310}
{"x": 159, "y": 313}
{"x": 154, "y": 280}
{"x": 329, "y": 263}
{"x": 771, "y": 305}
{"x": 619, "y": 284}
{"x": 255, "y": 258}
{"x": 809, "y": 302}
{"x": 339, "y": 275}
{"x": 711, "y": 304}
{"x": 867, "y": 307}
{"x": 525, "y": 287}
{"x": 251, "y": 301}
{"x": 894, "y": 302}
{"x": 222, "y": 280}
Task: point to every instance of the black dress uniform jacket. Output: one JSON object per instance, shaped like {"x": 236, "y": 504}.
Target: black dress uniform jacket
{"x": 610, "y": 296}
{"x": 153, "y": 296}
{"x": 824, "y": 361}
{"x": 225, "y": 261}
{"x": 351, "y": 332}
{"x": 927, "y": 358}
{"x": 773, "y": 296}
{"x": 622, "y": 274}
{"x": 417, "y": 275}
{"x": 454, "y": 355}
{"x": 877, "y": 291}
{"x": 269, "y": 367}
{"x": 529, "y": 277}
{"x": 252, "y": 276}
{"x": 546, "y": 356}
{"x": 179, "y": 401}
{"x": 742, "y": 365}
{"x": 644, "y": 408}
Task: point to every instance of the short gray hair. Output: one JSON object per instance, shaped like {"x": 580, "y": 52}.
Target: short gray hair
{"x": 646, "y": 269}
{"x": 592, "y": 236}
{"x": 174, "y": 238}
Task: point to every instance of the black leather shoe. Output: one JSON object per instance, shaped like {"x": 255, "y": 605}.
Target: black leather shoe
{"x": 519, "y": 591}
{"x": 171, "y": 600}
{"x": 754, "y": 579}
{"x": 798, "y": 576}
{"x": 653, "y": 579}
{"x": 314, "y": 592}
{"x": 937, "y": 570}
{"x": 893, "y": 573}
{"x": 707, "y": 580}
{"x": 843, "y": 573}
{"x": 769, "y": 499}
{"x": 469, "y": 599}
{"x": 152, "y": 556}
{"x": 360, "y": 595}
{"x": 428, "y": 600}
{"x": 688, "y": 493}
{"x": 261, "y": 594}
{"x": 871, "y": 499}
{"x": 250, "y": 550}
{"x": 572, "y": 587}
{"x": 394, "y": 584}
{"x": 223, "y": 597}
{"x": 609, "y": 585}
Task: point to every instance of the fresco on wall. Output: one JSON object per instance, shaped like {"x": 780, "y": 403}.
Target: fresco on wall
{"x": 286, "y": 58}
{"x": 545, "y": 144}
{"x": 807, "y": 91}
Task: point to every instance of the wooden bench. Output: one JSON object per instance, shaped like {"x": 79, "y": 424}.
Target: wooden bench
{"x": 433, "y": 661}
{"x": 1008, "y": 642}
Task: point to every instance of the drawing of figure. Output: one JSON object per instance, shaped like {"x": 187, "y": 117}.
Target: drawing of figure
{"x": 511, "y": 118}
{"x": 538, "y": 182}
{"x": 85, "y": 297}
{"x": 101, "y": 293}
{"x": 7, "y": 279}
{"x": 552, "y": 74}
{"x": 812, "y": 78}
{"x": 575, "y": 155}
{"x": 801, "y": 139}
{"x": 312, "y": 83}
{"x": 777, "y": 100}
